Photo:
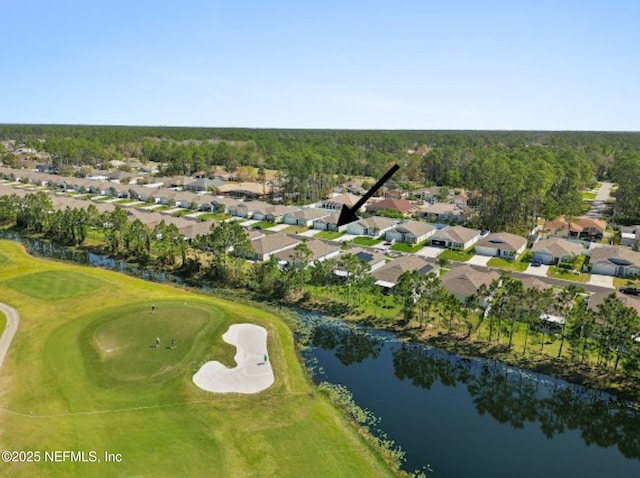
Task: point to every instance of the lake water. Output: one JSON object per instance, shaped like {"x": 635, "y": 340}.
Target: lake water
{"x": 476, "y": 418}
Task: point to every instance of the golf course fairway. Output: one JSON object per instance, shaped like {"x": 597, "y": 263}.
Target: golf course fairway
{"x": 86, "y": 390}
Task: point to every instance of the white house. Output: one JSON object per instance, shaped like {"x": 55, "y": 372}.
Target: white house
{"x": 555, "y": 250}
{"x": 328, "y": 223}
{"x": 501, "y": 244}
{"x": 410, "y": 232}
{"x": 371, "y": 226}
{"x": 456, "y": 237}
{"x": 304, "y": 217}
{"x": 615, "y": 261}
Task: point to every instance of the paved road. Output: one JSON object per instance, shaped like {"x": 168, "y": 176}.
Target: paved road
{"x": 13, "y": 319}
{"x": 600, "y": 202}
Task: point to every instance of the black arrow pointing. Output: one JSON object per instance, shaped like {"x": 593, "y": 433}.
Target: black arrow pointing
{"x": 348, "y": 214}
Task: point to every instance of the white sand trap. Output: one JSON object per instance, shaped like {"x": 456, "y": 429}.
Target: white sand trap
{"x": 251, "y": 375}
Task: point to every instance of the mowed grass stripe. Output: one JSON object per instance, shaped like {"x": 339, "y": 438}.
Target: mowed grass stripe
{"x": 53, "y": 285}
{"x": 149, "y": 410}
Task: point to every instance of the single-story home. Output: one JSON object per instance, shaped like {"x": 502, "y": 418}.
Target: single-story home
{"x": 501, "y": 244}
{"x": 335, "y": 203}
{"x": 246, "y": 189}
{"x": 204, "y": 184}
{"x": 320, "y": 251}
{"x": 373, "y": 257}
{"x": 304, "y": 217}
{"x": 583, "y": 228}
{"x": 455, "y": 237}
{"x": 630, "y": 236}
{"x": 272, "y": 213}
{"x": 410, "y": 232}
{"x": 246, "y": 209}
{"x": 615, "y": 261}
{"x": 402, "y": 206}
{"x": 269, "y": 244}
{"x": 371, "y": 226}
{"x": 328, "y": 223}
{"x": 442, "y": 212}
{"x": 388, "y": 275}
{"x": 430, "y": 195}
{"x": 464, "y": 280}
{"x": 224, "y": 203}
{"x": 555, "y": 250}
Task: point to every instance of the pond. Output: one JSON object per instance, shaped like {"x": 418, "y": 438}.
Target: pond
{"x": 475, "y": 417}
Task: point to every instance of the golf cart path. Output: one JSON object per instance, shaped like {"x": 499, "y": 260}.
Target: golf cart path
{"x": 13, "y": 319}
{"x": 253, "y": 372}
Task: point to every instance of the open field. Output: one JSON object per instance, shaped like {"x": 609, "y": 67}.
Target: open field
{"x": 83, "y": 374}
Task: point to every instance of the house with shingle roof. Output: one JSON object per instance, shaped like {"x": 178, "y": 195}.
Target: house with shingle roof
{"x": 328, "y": 223}
{"x": 335, "y": 203}
{"x": 204, "y": 184}
{"x": 455, "y": 237}
{"x": 583, "y": 228}
{"x": 246, "y": 189}
{"x": 555, "y": 250}
{"x": 373, "y": 257}
{"x": 272, "y": 213}
{"x": 410, "y": 232}
{"x": 501, "y": 244}
{"x": 371, "y": 226}
{"x": 269, "y": 244}
{"x": 304, "y": 217}
{"x": 320, "y": 251}
{"x": 615, "y": 261}
{"x": 388, "y": 275}
{"x": 464, "y": 280}
{"x": 402, "y": 206}
{"x": 442, "y": 212}
{"x": 246, "y": 208}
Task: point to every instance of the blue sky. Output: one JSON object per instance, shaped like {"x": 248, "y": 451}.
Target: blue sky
{"x": 560, "y": 65}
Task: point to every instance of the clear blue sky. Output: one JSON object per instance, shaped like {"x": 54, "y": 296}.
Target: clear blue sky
{"x": 424, "y": 64}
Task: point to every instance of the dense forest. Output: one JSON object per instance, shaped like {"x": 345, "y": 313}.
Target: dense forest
{"x": 516, "y": 175}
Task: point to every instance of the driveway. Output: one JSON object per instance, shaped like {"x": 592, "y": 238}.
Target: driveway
{"x": 601, "y": 281}
{"x": 540, "y": 271}
{"x": 479, "y": 260}
{"x": 429, "y": 251}
{"x": 310, "y": 233}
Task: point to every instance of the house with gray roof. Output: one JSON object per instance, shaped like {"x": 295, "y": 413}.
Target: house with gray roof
{"x": 464, "y": 280}
{"x": 304, "y": 217}
{"x": 328, "y": 223}
{"x": 501, "y": 244}
{"x": 410, "y": 232}
{"x": 335, "y": 203}
{"x": 615, "y": 261}
{"x": 371, "y": 226}
{"x": 204, "y": 184}
{"x": 320, "y": 251}
{"x": 270, "y": 244}
{"x": 373, "y": 257}
{"x": 555, "y": 250}
{"x": 388, "y": 275}
{"x": 456, "y": 237}
{"x": 442, "y": 212}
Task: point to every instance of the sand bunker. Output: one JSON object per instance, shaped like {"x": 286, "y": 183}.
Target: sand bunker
{"x": 251, "y": 375}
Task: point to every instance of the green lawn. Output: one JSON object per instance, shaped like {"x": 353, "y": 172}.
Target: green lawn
{"x": 53, "y": 285}
{"x": 83, "y": 374}
{"x": 295, "y": 229}
{"x": 460, "y": 256}
{"x": 587, "y": 196}
{"x": 328, "y": 235}
{"x": 560, "y": 274}
{"x": 263, "y": 224}
{"x": 125, "y": 201}
{"x": 213, "y": 216}
{"x": 508, "y": 265}
{"x": 617, "y": 281}
{"x": 3, "y": 259}
{"x": 3, "y": 322}
{"x": 402, "y": 247}
{"x": 366, "y": 241}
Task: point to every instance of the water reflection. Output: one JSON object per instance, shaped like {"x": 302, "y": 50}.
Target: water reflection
{"x": 419, "y": 391}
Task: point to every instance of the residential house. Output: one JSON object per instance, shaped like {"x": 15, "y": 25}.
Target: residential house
{"x": 501, "y": 244}
{"x": 598, "y": 298}
{"x": 371, "y": 226}
{"x": 204, "y": 184}
{"x": 532, "y": 282}
{"x": 224, "y": 204}
{"x": 272, "y": 213}
{"x": 410, "y": 232}
{"x": 555, "y": 250}
{"x": 388, "y": 275}
{"x": 329, "y": 223}
{"x": 304, "y": 217}
{"x": 320, "y": 251}
{"x": 401, "y": 206}
{"x": 615, "y": 261}
{"x": 246, "y": 208}
{"x": 460, "y": 199}
{"x": 246, "y": 189}
{"x": 442, "y": 212}
{"x": 455, "y": 237}
{"x": 335, "y": 203}
{"x": 373, "y": 257}
{"x": 429, "y": 195}
{"x": 630, "y": 236}
{"x": 269, "y": 244}
{"x": 584, "y": 228}
{"x": 464, "y": 280}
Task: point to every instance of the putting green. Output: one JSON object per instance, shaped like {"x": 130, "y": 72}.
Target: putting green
{"x": 81, "y": 374}
{"x": 53, "y": 285}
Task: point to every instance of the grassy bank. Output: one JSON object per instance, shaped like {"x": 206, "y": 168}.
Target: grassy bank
{"x": 82, "y": 374}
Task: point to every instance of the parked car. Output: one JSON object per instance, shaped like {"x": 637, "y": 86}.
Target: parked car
{"x": 536, "y": 263}
{"x": 630, "y": 290}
